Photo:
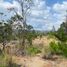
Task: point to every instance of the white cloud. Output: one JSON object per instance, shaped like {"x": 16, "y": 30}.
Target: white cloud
{"x": 1, "y": 0}
{"x": 40, "y": 13}
{"x": 42, "y": 17}
{"x": 60, "y": 7}
{"x": 60, "y": 12}
{"x": 7, "y": 5}
{"x": 50, "y": 16}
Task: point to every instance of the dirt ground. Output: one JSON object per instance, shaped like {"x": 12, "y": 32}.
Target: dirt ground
{"x": 38, "y": 61}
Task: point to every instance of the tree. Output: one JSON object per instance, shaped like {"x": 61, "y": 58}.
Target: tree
{"x": 61, "y": 33}
{"x": 30, "y": 34}
{"x": 53, "y": 29}
{"x": 5, "y": 33}
{"x": 25, "y": 6}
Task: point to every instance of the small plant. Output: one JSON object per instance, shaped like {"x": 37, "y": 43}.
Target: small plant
{"x": 33, "y": 50}
{"x": 46, "y": 53}
{"x": 6, "y": 61}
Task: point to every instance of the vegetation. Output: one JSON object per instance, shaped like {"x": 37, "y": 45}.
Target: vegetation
{"x": 6, "y": 61}
{"x": 58, "y": 48}
{"x": 5, "y": 33}
{"x": 16, "y": 29}
{"x": 32, "y": 51}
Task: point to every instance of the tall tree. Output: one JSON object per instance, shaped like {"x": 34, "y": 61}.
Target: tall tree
{"x": 61, "y": 34}
{"x": 25, "y": 6}
{"x": 5, "y": 33}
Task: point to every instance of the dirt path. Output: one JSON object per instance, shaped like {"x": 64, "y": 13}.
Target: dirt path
{"x": 37, "y": 61}
{"x": 33, "y": 62}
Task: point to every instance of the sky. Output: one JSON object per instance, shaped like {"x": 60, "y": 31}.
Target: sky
{"x": 43, "y": 15}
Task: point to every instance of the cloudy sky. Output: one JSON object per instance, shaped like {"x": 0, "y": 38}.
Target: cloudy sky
{"x": 44, "y": 14}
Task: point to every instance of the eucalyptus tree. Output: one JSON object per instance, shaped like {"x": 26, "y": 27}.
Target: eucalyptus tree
{"x": 25, "y": 6}
{"x": 61, "y": 33}
{"x": 5, "y": 33}
{"x": 20, "y": 20}
{"x": 31, "y": 34}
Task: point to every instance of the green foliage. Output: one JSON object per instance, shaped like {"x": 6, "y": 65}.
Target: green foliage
{"x": 63, "y": 49}
{"x": 6, "y": 61}
{"x": 30, "y": 36}
{"x": 54, "y": 47}
{"x": 59, "y": 48}
{"x": 3, "y": 61}
{"x": 61, "y": 34}
{"x": 5, "y": 32}
{"x": 33, "y": 50}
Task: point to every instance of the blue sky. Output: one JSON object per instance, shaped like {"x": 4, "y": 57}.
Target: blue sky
{"x": 52, "y": 2}
{"x": 48, "y": 2}
{"x": 43, "y": 15}
{"x": 8, "y": 0}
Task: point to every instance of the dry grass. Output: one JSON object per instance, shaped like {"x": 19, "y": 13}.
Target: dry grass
{"x": 44, "y": 41}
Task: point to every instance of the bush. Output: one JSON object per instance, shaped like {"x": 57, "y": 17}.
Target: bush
{"x": 63, "y": 48}
{"x": 54, "y": 47}
{"x": 6, "y": 61}
{"x": 58, "y": 48}
{"x": 33, "y": 50}
{"x": 3, "y": 62}
{"x": 46, "y": 53}
{"x": 61, "y": 33}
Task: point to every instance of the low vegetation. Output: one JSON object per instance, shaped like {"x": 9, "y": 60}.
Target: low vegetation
{"x": 58, "y": 48}
{"x": 6, "y": 61}
{"x": 32, "y": 51}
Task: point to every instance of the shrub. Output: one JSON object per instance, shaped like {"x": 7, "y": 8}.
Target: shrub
{"x": 33, "y": 50}
{"x": 63, "y": 48}
{"x": 61, "y": 33}
{"x": 54, "y": 47}
{"x": 6, "y": 61}
{"x": 46, "y": 53}
{"x": 2, "y": 61}
{"x": 59, "y": 48}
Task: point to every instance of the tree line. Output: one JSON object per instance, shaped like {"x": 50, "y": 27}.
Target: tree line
{"x": 16, "y": 27}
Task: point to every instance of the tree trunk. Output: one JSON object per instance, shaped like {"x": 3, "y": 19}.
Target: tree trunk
{"x": 22, "y": 46}
{"x": 4, "y": 46}
{"x": 30, "y": 42}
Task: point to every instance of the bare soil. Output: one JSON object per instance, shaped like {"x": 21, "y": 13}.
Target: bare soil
{"x": 38, "y": 61}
